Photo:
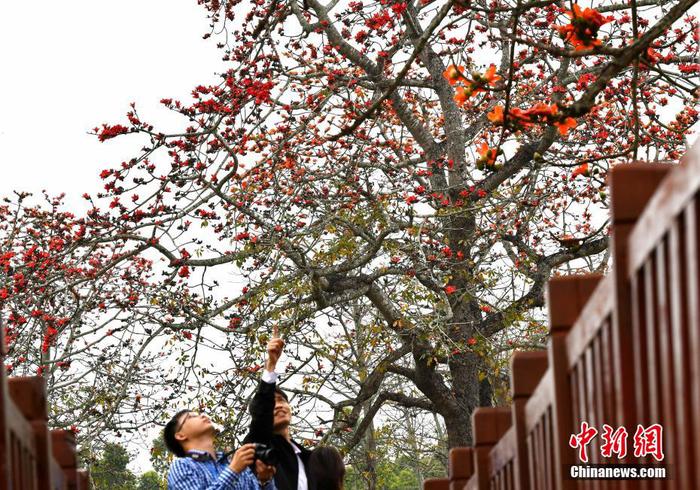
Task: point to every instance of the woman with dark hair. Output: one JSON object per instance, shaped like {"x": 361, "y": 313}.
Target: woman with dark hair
{"x": 326, "y": 468}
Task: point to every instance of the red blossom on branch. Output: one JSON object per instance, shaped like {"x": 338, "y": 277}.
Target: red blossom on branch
{"x": 479, "y": 82}
{"x": 580, "y": 170}
{"x": 487, "y": 156}
{"x": 454, "y": 74}
{"x": 109, "y": 132}
{"x": 582, "y": 32}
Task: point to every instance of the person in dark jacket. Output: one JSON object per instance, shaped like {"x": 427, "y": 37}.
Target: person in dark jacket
{"x": 327, "y": 469}
{"x": 270, "y": 419}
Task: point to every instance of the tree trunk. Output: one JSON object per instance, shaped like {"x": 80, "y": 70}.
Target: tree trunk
{"x": 370, "y": 469}
{"x": 413, "y": 444}
{"x": 465, "y": 386}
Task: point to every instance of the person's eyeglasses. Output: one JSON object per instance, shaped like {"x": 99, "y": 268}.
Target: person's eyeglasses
{"x": 185, "y": 419}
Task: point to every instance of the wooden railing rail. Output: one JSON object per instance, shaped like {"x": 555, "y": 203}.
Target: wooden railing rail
{"x": 663, "y": 271}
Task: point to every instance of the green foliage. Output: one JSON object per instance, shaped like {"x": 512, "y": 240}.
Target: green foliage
{"x": 397, "y": 455}
{"x": 150, "y": 481}
{"x": 399, "y": 473}
{"x": 110, "y": 471}
{"x": 160, "y": 457}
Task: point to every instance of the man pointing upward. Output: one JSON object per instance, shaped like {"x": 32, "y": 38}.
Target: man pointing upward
{"x": 270, "y": 419}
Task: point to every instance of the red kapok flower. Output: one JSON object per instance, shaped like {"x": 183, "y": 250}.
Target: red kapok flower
{"x": 461, "y": 95}
{"x": 520, "y": 117}
{"x": 490, "y": 75}
{"x": 449, "y": 289}
{"x": 476, "y": 84}
{"x": 550, "y": 114}
{"x": 563, "y": 125}
{"x": 543, "y": 110}
{"x": 453, "y": 74}
{"x": 517, "y": 118}
{"x": 496, "y": 115}
{"x": 580, "y": 170}
{"x": 649, "y": 58}
{"x": 488, "y": 155}
{"x": 480, "y": 81}
{"x": 109, "y": 132}
{"x": 582, "y": 32}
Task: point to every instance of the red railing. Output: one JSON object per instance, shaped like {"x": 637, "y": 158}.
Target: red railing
{"x": 31, "y": 456}
{"x": 663, "y": 271}
{"x": 624, "y": 351}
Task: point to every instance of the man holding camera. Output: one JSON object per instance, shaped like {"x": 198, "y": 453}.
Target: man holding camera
{"x": 190, "y": 436}
{"x": 271, "y": 416}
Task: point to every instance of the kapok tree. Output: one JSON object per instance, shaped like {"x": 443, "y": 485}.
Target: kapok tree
{"x": 435, "y": 161}
{"x": 68, "y": 313}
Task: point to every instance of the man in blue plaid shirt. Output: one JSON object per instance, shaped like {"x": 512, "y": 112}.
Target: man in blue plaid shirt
{"x": 190, "y": 436}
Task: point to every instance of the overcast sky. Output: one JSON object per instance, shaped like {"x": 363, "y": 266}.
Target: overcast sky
{"x": 70, "y": 66}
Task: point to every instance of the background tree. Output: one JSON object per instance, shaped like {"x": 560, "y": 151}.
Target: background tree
{"x": 362, "y": 152}
{"x": 404, "y": 451}
{"x": 68, "y": 313}
{"x": 150, "y": 481}
{"x": 110, "y": 471}
{"x": 160, "y": 457}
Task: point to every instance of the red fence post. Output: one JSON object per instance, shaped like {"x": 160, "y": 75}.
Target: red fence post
{"x": 488, "y": 426}
{"x": 461, "y": 467}
{"x": 527, "y": 369}
{"x": 631, "y": 187}
{"x": 436, "y": 484}
{"x": 29, "y": 395}
{"x": 566, "y": 297}
{"x": 5, "y": 468}
{"x": 63, "y": 445}
{"x": 83, "y": 480}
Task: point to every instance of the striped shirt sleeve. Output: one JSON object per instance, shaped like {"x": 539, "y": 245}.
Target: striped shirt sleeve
{"x": 183, "y": 475}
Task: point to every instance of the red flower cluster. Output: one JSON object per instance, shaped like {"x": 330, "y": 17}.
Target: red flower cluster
{"x": 487, "y": 157}
{"x": 539, "y": 113}
{"x": 5, "y": 261}
{"x": 109, "y": 132}
{"x": 471, "y": 86}
{"x": 49, "y": 337}
{"x": 580, "y": 170}
{"x": 379, "y": 20}
{"x": 582, "y": 32}
{"x": 260, "y": 91}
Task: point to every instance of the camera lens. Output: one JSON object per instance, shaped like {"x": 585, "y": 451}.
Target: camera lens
{"x": 266, "y": 454}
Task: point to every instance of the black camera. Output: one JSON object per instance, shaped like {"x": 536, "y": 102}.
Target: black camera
{"x": 266, "y": 454}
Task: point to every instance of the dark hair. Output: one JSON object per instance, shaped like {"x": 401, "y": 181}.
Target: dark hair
{"x": 171, "y": 443}
{"x": 281, "y": 393}
{"x": 326, "y": 468}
